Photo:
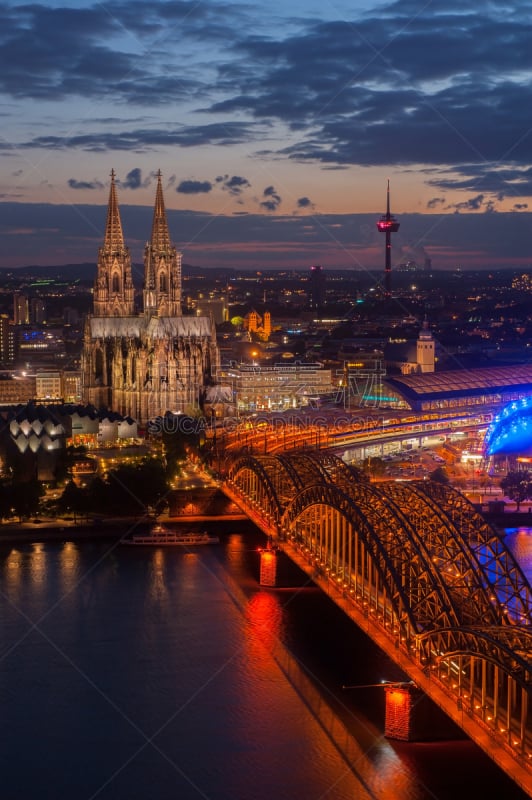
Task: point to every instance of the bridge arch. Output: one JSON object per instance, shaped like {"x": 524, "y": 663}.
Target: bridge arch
{"x": 488, "y": 670}
{"x": 488, "y": 555}
{"x": 255, "y": 479}
{"x": 435, "y": 582}
{"x": 368, "y": 545}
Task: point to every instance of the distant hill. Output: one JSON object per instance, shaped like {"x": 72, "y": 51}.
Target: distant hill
{"x": 83, "y": 272}
{"x": 87, "y": 271}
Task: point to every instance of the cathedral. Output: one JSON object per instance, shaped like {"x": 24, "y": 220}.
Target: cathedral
{"x": 144, "y": 363}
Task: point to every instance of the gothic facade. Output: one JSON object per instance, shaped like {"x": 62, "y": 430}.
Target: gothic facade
{"x": 143, "y": 364}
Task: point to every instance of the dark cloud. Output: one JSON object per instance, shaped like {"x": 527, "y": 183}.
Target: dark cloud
{"x": 503, "y": 181}
{"x": 273, "y": 200}
{"x": 405, "y": 84}
{"x": 57, "y": 53}
{"x": 383, "y": 90}
{"x": 134, "y": 180}
{"x": 304, "y": 202}
{"x": 233, "y": 184}
{"x": 75, "y": 184}
{"x": 434, "y": 202}
{"x": 143, "y": 139}
{"x": 194, "y": 187}
{"x": 473, "y": 204}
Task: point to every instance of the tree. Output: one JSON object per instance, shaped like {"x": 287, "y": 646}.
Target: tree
{"x": 182, "y": 435}
{"x": 374, "y": 466}
{"x": 66, "y": 459}
{"x": 439, "y": 475}
{"x": 26, "y": 497}
{"x": 517, "y": 486}
{"x": 134, "y": 489}
{"x": 72, "y": 499}
{"x": 99, "y": 496}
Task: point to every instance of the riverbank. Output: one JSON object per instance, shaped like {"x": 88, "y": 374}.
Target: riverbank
{"x": 112, "y": 529}
{"x": 509, "y": 519}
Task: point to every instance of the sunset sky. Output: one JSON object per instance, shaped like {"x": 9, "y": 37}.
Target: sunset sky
{"x": 275, "y": 126}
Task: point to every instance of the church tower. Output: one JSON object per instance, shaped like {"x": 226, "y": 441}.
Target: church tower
{"x": 162, "y": 266}
{"x": 113, "y": 287}
{"x": 425, "y": 349}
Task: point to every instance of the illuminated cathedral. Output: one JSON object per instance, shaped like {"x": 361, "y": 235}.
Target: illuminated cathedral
{"x": 143, "y": 364}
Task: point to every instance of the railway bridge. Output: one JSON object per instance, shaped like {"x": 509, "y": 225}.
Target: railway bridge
{"x": 416, "y": 567}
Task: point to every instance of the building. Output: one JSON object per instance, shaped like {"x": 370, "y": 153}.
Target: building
{"x": 16, "y": 389}
{"x": 510, "y": 433}
{"x": 37, "y": 346}
{"x": 260, "y": 326}
{"x": 464, "y": 389}
{"x": 142, "y": 365}
{"x": 7, "y": 340}
{"x": 21, "y": 309}
{"x": 425, "y": 350}
{"x": 274, "y": 388}
{"x": 48, "y": 386}
{"x": 316, "y": 294}
{"x": 72, "y": 386}
{"x": 215, "y": 308}
{"x": 33, "y": 437}
{"x": 362, "y": 382}
{"x": 412, "y": 357}
{"x": 38, "y": 311}
{"x": 42, "y": 386}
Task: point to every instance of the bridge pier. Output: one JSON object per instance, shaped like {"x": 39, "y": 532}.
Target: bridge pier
{"x": 403, "y": 712}
{"x": 268, "y": 566}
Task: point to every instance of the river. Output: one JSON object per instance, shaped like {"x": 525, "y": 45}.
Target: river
{"x": 161, "y": 674}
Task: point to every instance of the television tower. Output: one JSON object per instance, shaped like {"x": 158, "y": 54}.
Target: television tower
{"x": 388, "y": 225}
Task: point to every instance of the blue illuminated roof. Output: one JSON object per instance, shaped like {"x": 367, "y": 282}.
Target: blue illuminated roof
{"x": 511, "y": 431}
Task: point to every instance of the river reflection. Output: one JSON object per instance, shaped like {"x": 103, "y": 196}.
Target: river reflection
{"x": 134, "y": 673}
{"x": 519, "y": 541}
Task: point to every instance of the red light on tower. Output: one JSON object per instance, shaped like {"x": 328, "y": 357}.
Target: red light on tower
{"x": 388, "y": 225}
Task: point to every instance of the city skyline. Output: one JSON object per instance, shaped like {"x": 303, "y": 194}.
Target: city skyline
{"x": 275, "y": 130}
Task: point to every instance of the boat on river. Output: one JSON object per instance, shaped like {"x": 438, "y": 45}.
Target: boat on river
{"x": 161, "y": 535}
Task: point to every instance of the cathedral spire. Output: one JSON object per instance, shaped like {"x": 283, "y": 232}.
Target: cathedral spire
{"x": 162, "y": 265}
{"x": 113, "y": 287}
{"x": 114, "y": 238}
{"x": 160, "y": 237}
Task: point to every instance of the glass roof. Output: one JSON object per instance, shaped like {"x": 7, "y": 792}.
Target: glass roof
{"x": 467, "y": 381}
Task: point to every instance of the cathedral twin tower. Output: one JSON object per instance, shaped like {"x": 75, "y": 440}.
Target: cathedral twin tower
{"x": 142, "y": 364}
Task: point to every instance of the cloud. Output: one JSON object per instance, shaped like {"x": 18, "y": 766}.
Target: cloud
{"x": 304, "y": 202}
{"x": 500, "y": 180}
{"x": 273, "y": 200}
{"x": 382, "y": 90}
{"x": 434, "y": 202}
{"x": 379, "y": 89}
{"x": 473, "y": 204}
{"x": 194, "y": 187}
{"x": 75, "y": 184}
{"x": 134, "y": 180}
{"x": 72, "y": 233}
{"x": 142, "y": 139}
{"x": 233, "y": 184}
{"x": 111, "y": 50}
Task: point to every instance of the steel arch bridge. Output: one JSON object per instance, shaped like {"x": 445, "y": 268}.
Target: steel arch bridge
{"x": 422, "y": 572}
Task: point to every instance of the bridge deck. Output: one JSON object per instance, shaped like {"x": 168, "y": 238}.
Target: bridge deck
{"x": 423, "y": 574}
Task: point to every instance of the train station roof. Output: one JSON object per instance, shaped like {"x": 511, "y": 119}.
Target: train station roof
{"x": 461, "y": 384}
